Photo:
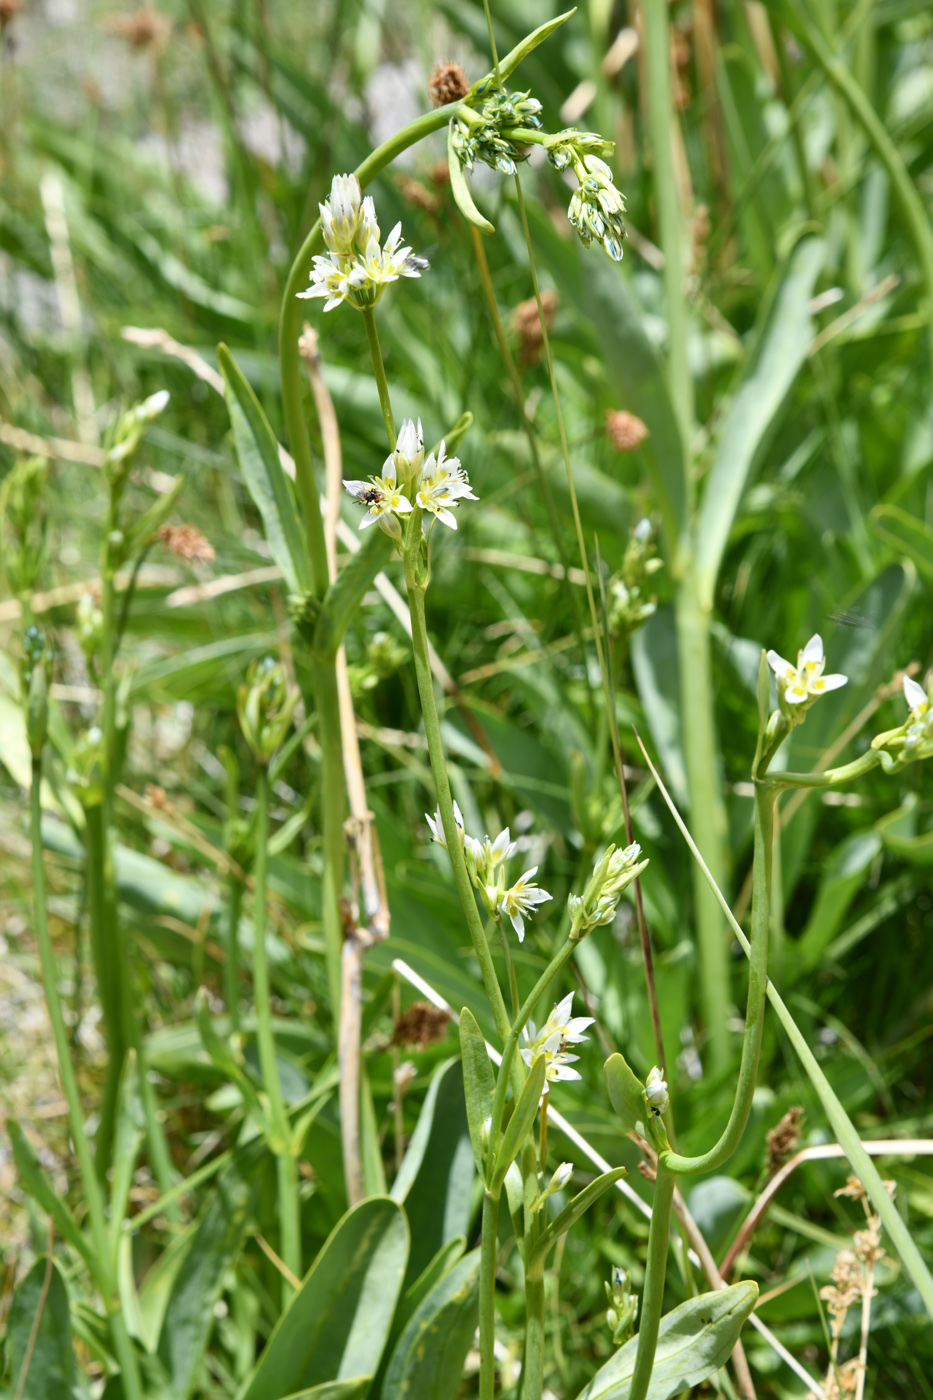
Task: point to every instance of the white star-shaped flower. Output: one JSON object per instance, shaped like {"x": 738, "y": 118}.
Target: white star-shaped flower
{"x": 558, "y": 1061}
{"x": 916, "y": 698}
{"x": 437, "y": 827}
{"x": 571, "y": 1028}
{"x": 805, "y": 681}
{"x": 519, "y": 900}
{"x": 444, "y": 484}
{"x": 381, "y": 494}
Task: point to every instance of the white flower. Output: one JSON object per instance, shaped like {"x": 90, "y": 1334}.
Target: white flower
{"x": 340, "y": 214}
{"x": 916, "y": 698}
{"x": 558, "y": 1061}
{"x": 571, "y": 1028}
{"x": 437, "y": 827}
{"x": 656, "y": 1092}
{"x": 803, "y": 682}
{"x": 409, "y": 451}
{"x": 151, "y": 408}
{"x": 380, "y": 266}
{"x": 517, "y": 901}
{"x": 335, "y": 280}
{"x": 444, "y": 484}
{"x": 369, "y": 224}
{"x": 381, "y": 494}
{"x": 561, "y": 1177}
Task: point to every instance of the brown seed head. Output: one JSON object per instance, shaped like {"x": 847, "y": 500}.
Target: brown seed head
{"x": 625, "y": 430}
{"x": 416, "y": 194}
{"x": 526, "y": 325}
{"x": 784, "y": 1139}
{"x": 9, "y": 9}
{"x": 440, "y": 173}
{"x": 144, "y": 28}
{"x": 420, "y": 1025}
{"x": 447, "y": 83}
{"x": 187, "y": 542}
{"x": 158, "y": 797}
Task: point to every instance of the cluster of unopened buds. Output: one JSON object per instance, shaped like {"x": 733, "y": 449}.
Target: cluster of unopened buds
{"x": 613, "y": 873}
{"x": 596, "y": 206}
{"x": 914, "y": 738}
{"x": 435, "y": 485}
{"x": 492, "y": 134}
{"x": 485, "y": 861}
{"x": 560, "y": 1030}
{"x": 358, "y": 266}
{"x": 629, "y": 606}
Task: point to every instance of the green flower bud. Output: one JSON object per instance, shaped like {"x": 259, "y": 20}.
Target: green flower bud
{"x": 265, "y": 707}
{"x": 35, "y": 688}
{"x": 22, "y": 523}
{"x": 86, "y": 775}
{"x": 90, "y": 622}
{"x": 623, "y": 1307}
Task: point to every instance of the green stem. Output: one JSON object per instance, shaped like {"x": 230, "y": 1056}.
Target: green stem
{"x": 324, "y": 687}
{"x": 508, "y": 1049}
{"x": 108, "y": 958}
{"x": 487, "y": 1298}
{"x": 289, "y": 1218}
{"x": 652, "y": 1299}
{"x": 91, "y": 1186}
{"x": 510, "y": 966}
{"x": 280, "y": 1138}
{"x": 533, "y": 1365}
{"x": 232, "y": 965}
{"x": 755, "y": 1005}
{"x": 385, "y": 403}
{"x": 707, "y": 812}
{"x": 830, "y": 777}
{"x": 432, "y": 729}
{"x": 492, "y": 43}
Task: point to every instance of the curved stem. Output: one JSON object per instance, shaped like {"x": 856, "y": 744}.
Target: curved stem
{"x": 92, "y": 1191}
{"x": 432, "y": 729}
{"x": 487, "y": 1298}
{"x": 755, "y": 1006}
{"x": 652, "y": 1299}
{"x": 830, "y": 777}
{"x": 290, "y": 1240}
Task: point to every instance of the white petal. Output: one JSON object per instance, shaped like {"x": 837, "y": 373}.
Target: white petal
{"x": 778, "y": 665}
{"x": 368, "y": 519}
{"x": 501, "y": 844}
{"x": 813, "y": 651}
{"x": 561, "y": 1013}
{"x": 795, "y": 697}
{"x": 458, "y": 815}
{"x": 830, "y": 682}
{"x": 518, "y": 924}
{"x": 447, "y": 518}
{"x": 914, "y": 694}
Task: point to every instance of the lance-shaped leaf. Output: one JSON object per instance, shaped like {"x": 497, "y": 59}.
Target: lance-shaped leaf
{"x": 258, "y": 454}
{"x": 479, "y": 1085}
{"x": 778, "y": 355}
{"x": 336, "y": 1325}
{"x": 520, "y": 1124}
{"x": 345, "y": 594}
{"x": 51, "y": 1364}
{"x": 222, "y": 1056}
{"x": 531, "y": 41}
{"x": 427, "y": 1362}
{"x": 574, "y": 1209}
{"x": 626, "y": 1093}
{"x": 461, "y": 190}
{"x": 36, "y": 1184}
{"x": 907, "y": 534}
{"x": 693, "y": 1341}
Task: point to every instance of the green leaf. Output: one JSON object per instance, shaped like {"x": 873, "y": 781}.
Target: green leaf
{"x": 575, "y": 1208}
{"x": 336, "y": 1325}
{"x": 520, "y": 1124}
{"x": 446, "y": 1257}
{"x": 656, "y": 664}
{"x": 353, "y": 1389}
{"x": 531, "y": 41}
{"x": 258, "y": 453}
{"x": 131, "y": 1126}
{"x": 461, "y": 191}
{"x": 693, "y": 1341}
{"x": 844, "y": 874}
{"x": 213, "y": 1247}
{"x": 427, "y": 1363}
{"x": 479, "y": 1085}
{"x": 51, "y": 1374}
{"x": 436, "y": 1174}
{"x": 780, "y": 351}
{"x": 36, "y": 1184}
{"x": 907, "y": 534}
{"x": 626, "y": 1093}
{"x": 345, "y": 594}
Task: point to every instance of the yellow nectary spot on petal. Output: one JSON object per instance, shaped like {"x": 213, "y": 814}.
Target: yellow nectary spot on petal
{"x": 818, "y": 685}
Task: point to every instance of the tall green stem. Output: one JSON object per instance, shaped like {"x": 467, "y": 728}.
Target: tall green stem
{"x": 375, "y": 353}
{"x": 289, "y": 1224}
{"x": 487, "y": 1298}
{"x": 432, "y": 729}
{"x": 533, "y": 1365}
{"x": 108, "y": 957}
{"x": 89, "y": 1180}
{"x": 652, "y": 1299}
{"x": 232, "y": 964}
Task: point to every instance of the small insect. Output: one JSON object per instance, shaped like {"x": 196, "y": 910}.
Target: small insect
{"x": 850, "y": 619}
{"x": 370, "y": 496}
{"x": 416, "y": 264}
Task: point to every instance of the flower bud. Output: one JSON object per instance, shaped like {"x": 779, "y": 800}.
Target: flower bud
{"x": 623, "y": 1306}
{"x": 86, "y": 773}
{"x": 340, "y": 215}
{"x": 656, "y": 1095}
{"x": 35, "y": 684}
{"x": 265, "y": 707}
{"x": 614, "y": 872}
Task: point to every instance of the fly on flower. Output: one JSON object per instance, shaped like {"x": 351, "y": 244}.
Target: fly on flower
{"x": 382, "y": 495}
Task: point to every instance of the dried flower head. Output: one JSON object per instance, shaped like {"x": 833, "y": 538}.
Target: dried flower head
{"x": 157, "y": 797}
{"x": 187, "y": 542}
{"x": 416, "y": 194}
{"x": 625, "y": 431}
{"x": 448, "y": 83}
{"x": 9, "y": 9}
{"x": 526, "y": 325}
{"x": 145, "y": 28}
{"x": 420, "y": 1025}
{"x": 784, "y": 1139}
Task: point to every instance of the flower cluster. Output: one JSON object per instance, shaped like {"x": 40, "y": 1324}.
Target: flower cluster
{"x": 623, "y": 1306}
{"x": 358, "y": 266}
{"x": 597, "y": 206}
{"x": 489, "y": 134}
{"x": 438, "y": 484}
{"x": 599, "y": 901}
{"x": 265, "y": 706}
{"x": 629, "y": 603}
{"x": 914, "y": 738}
{"x": 485, "y": 861}
{"x": 800, "y": 685}
{"x": 560, "y": 1030}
